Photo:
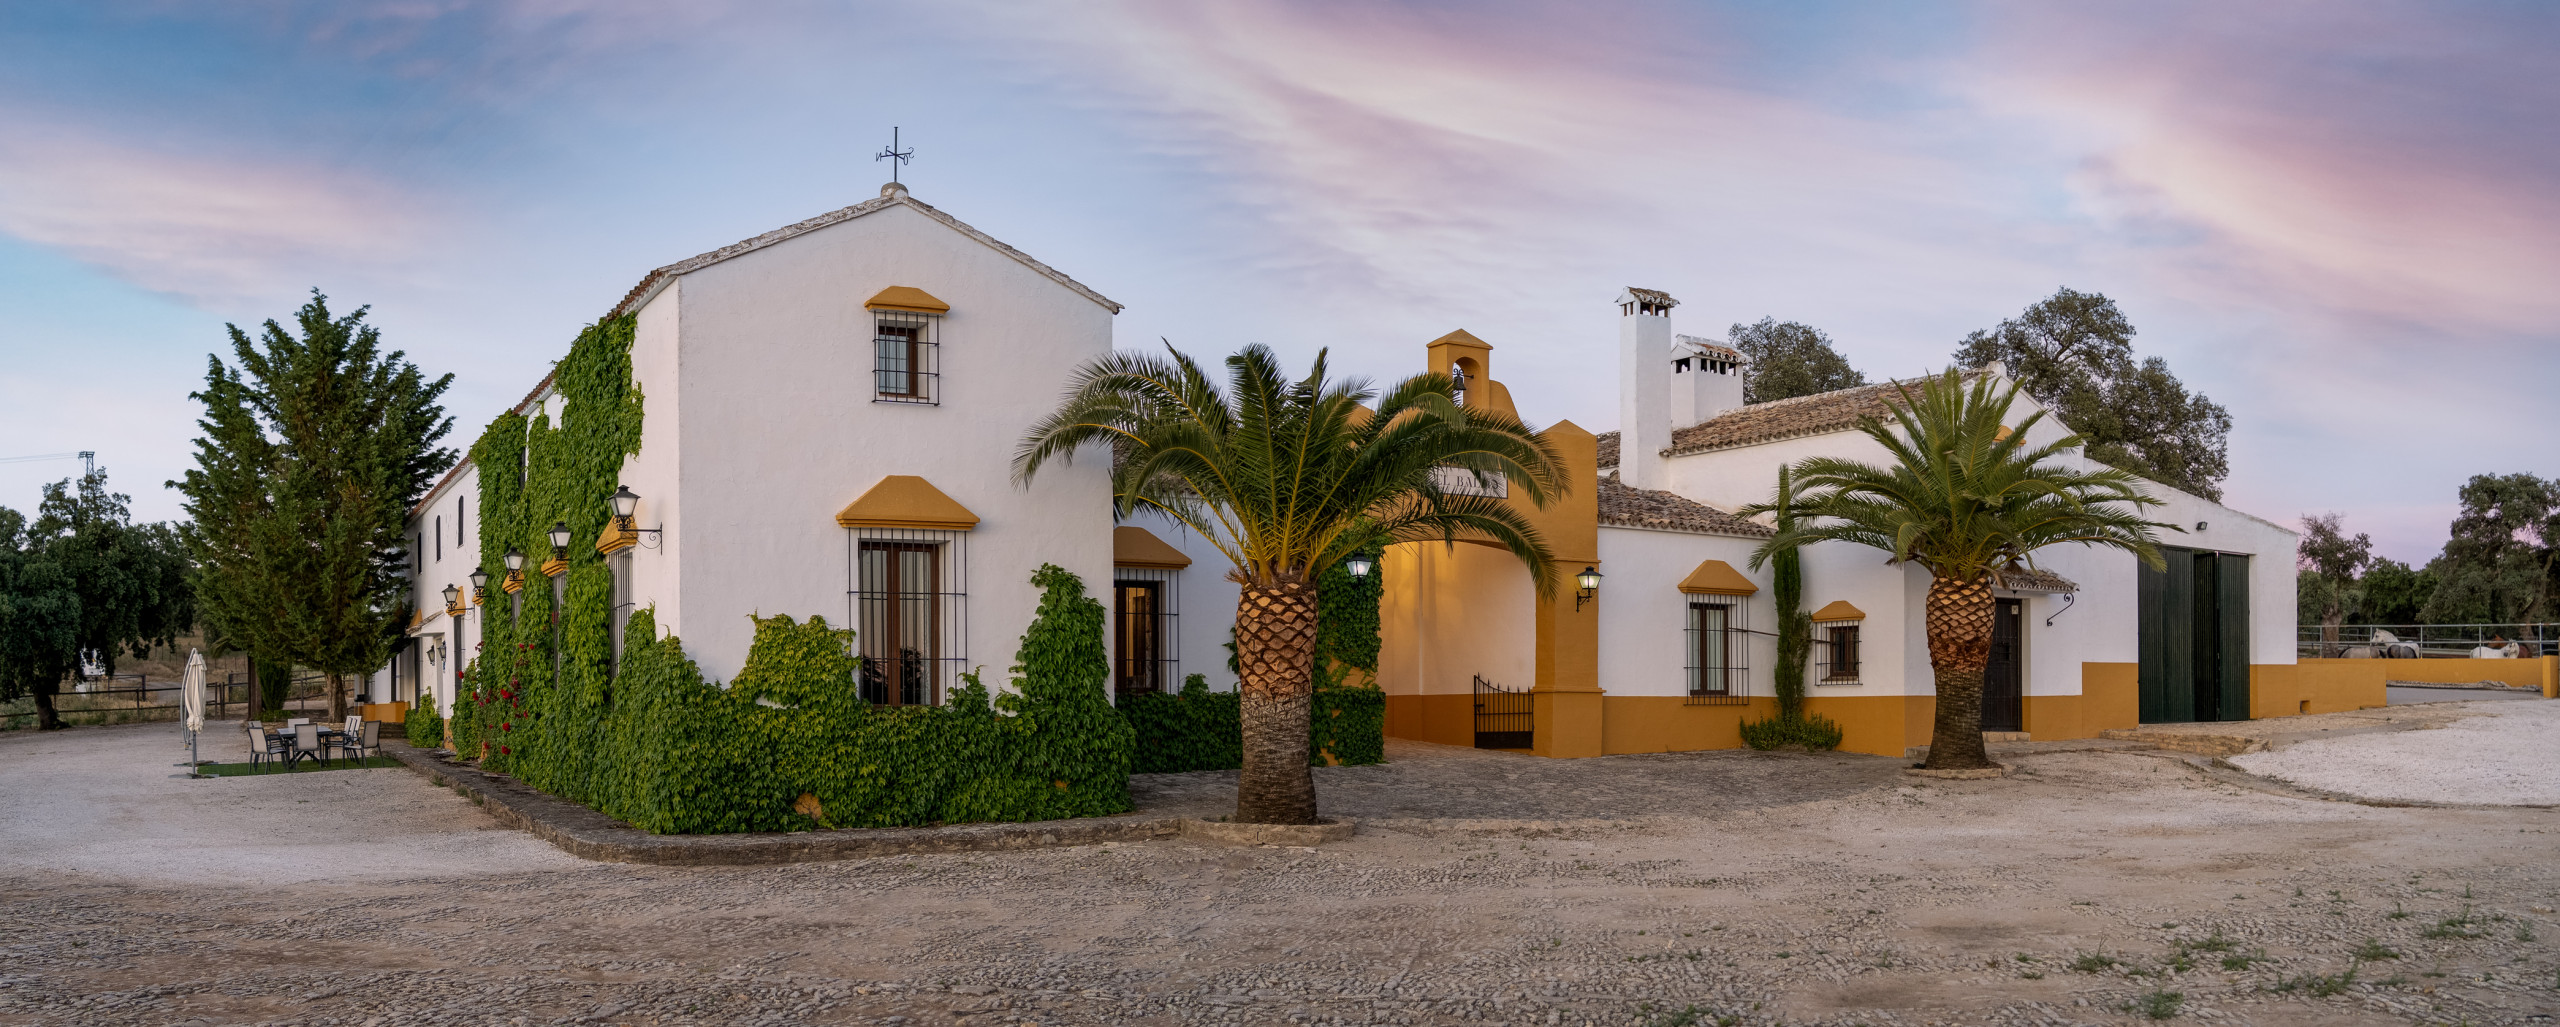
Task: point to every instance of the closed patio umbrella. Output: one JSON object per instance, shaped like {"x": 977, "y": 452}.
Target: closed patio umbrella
{"x": 191, "y": 704}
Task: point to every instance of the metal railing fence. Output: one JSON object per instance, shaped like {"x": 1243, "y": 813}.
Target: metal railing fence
{"x": 135, "y": 698}
{"x": 2426, "y": 641}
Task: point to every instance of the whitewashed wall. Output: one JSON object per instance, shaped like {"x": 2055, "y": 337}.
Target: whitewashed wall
{"x": 1644, "y": 615}
{"x": 779, "y": 431}
{"x": 654, "y": 473}
{"x": 435, "y": 520}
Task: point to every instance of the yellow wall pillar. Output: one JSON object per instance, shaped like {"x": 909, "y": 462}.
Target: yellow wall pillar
{"x": 1569, "y": 711}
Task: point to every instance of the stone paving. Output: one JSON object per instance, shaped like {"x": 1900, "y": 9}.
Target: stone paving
{"x": 2091, "y": 887}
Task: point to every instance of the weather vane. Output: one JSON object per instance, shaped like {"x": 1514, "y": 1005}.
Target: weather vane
{"x": 895, "y": 155}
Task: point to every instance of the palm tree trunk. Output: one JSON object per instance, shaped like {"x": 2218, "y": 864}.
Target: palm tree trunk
{"x": 1960, "y": 615}
{"x": 1275, "y": 653}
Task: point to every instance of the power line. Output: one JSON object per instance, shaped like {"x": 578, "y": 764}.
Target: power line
{"x": 42, "y": 456}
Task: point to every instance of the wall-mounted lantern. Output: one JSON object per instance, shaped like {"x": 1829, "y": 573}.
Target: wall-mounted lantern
{"x": 1587, "y": 584}
{"x": 1359, "y": 565}
{"x": 625, "y": 503}
{"x": 479, "y": 584}
{"x": 452, "y": 597}
{"x": 515, "y": 561}
{"x": 559, "y": 540}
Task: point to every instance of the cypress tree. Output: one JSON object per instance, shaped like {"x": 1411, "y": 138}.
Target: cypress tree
{"x": 314, "y": 448}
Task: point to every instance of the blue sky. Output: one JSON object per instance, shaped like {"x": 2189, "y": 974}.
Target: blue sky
{"x": 2337, "y": 221}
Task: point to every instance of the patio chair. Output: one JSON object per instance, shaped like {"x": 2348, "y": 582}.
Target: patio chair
{"x": 365, "y": 741}
{"x": 306, "y": 742}
{"x": 295, "y": 722}
{"x": 264, "y": 746}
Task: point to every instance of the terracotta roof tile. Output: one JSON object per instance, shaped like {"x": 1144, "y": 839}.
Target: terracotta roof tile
{"x": 2037, "y": 581}
{"x": 1608, "y": 441}
{"x": 1626, "y": 506}
{"x": 1785, "y": 419}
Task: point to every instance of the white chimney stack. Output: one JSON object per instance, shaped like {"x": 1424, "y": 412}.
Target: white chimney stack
{"x": 1707, "y": 379}
{"x": 1644, "y": 385}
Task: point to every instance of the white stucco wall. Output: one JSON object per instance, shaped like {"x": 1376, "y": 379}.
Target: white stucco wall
{"x": 779, "y": 431}
{"x": 2101, "y": 625}
{"x": 1644, "y": 615}
{"x": 655, "y": 473}
{"x": 451, "y": 566}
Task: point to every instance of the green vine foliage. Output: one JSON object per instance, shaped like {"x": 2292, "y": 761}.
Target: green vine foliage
{"x": 1347, "y": 615}
{"x": 1198, "y": 729}
{"x": 789, "y": 745}
{"x": 1790, "y": 725}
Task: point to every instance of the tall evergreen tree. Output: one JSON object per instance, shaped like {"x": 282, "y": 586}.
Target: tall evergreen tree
{"x": 2073, "y": 351}
{"x": 83, "y": 580}
{"x": 1785, "y": 359}
{"x": 315, "y": 447}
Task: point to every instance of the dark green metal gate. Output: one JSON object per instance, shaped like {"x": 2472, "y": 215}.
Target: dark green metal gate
{"x": 2194, "y": 637}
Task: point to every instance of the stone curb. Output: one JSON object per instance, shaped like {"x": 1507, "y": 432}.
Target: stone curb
{"x": 587, "y": 834}
{"x": 1267, "y": 834}
{"x": 1969, "y": 774}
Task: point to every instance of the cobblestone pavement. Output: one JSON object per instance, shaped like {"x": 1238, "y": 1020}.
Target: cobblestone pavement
{"x": 2089, "y": 888}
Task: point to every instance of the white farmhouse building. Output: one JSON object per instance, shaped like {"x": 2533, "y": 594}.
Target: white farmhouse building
{"x": 831, "y": 410}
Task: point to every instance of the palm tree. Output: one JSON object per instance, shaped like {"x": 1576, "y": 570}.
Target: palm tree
{"x": 1287, "y": 479}
{"x": 1971, "y": 500}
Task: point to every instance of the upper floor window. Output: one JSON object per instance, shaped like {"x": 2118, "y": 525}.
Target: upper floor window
{"x": 906, "y": 347}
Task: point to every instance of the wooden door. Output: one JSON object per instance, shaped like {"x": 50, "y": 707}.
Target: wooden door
{"x": 2003, "y": 701}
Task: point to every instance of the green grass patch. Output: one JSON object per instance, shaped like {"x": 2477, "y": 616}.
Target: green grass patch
{"x": 305, "y": 767}
{"x": 2238, "y": 961}
{"x": 2158, "y": 1005}
{"x": 2457, "y": 926}
{"x": 2093, "y": 962}
{"x": 2373, "y": 950}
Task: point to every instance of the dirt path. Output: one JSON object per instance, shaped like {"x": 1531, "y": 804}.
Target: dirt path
{"x": 1746, "y": 890}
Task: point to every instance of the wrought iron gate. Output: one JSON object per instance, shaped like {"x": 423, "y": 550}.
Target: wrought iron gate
{"x": 1504, "y": 719}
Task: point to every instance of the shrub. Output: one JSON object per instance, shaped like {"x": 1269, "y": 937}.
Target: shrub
{"x": 1814, "y": 732}
{"x": 424, "y": 728}
{"x": 1198, "y": 729}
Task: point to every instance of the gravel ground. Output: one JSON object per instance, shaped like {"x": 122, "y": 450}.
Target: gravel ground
{"x": 2498, "y": 753}
{"x": 1738, "y": 889}
{"x": 103, "y": 802}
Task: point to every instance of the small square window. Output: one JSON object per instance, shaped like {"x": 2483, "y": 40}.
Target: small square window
{"x": 906, "y": 361}
{"x": 1836, "y": 652}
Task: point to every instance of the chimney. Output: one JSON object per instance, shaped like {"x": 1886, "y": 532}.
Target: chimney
{"x": 1644, "y": 385}
{"x": 1708, "y": 380}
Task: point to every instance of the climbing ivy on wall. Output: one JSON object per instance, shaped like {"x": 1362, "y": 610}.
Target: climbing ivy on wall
{"x": 1198, "y": 729}
{"x": 1347, "y": 620}
{"x": 788, "y": 745}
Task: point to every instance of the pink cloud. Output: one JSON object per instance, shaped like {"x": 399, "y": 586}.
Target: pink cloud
{"x": 208, "y": 227}
{"x": 2364, "y": 160}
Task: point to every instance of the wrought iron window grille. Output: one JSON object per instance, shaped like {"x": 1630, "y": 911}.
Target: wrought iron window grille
{"x": 906, "y": 597}
{"x": 1146, "y": 607}
{"x": 1718, "y": 644}
{"x": 1835, "y": 653}
{"x": 906, "y": 357}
